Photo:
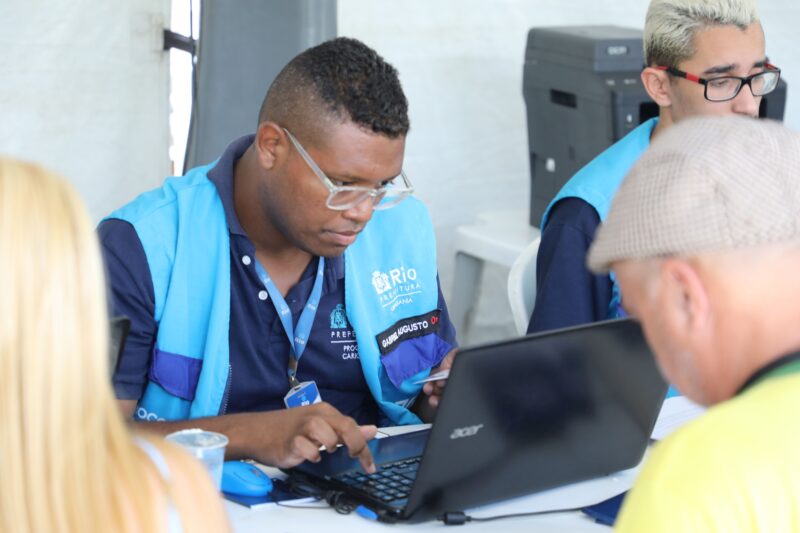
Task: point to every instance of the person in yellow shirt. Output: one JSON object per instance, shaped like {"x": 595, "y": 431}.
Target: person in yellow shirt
{"x": 704, "y": 238}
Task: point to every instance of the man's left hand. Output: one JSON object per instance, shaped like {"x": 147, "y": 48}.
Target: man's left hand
{"x": 434, "y": 389}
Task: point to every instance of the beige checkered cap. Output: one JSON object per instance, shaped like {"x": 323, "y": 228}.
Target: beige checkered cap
{"x": 705, "y": 184}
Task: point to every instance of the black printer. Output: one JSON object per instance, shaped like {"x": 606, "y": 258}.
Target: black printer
{"x": 583, "y": 92}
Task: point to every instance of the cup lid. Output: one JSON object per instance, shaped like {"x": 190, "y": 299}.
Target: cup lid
{"x": 198, "y": 438}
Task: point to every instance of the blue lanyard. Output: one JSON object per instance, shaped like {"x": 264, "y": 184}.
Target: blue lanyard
{"x": 297, "y": 336}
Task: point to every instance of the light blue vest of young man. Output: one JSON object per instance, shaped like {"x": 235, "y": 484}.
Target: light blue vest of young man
{"x": 597, "y": 183}
{"x": 184, "y": 233}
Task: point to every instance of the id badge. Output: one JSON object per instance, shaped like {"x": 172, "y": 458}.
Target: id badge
{"x": 306, "y": 393}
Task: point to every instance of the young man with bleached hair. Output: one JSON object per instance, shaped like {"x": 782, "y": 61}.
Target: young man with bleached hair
{"x": 704, "y": 57}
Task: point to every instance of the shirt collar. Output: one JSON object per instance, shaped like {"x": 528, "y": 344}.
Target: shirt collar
{"x": 222, "y": 177}
{"x": 788, "y": 364}
{"x": 335, "y": 266}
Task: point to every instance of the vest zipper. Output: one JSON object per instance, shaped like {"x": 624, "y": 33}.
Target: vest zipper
{"x": 226, "y": 395}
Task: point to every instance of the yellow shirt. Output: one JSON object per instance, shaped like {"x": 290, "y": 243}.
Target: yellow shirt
{"x": 737, "y": 468}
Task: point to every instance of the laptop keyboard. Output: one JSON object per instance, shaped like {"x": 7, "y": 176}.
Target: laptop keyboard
{"x": 391, "y": 483}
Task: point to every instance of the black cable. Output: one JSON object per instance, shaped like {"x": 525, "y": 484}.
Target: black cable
{"x": 457, "y": 518}
{"x": 333, "y": 498}
{"x": 343, "y": 504}
{"x": 340, "y": 502}
{"x": 279, "y": 504}
{"x": 191, "y": 19}
{"x": 194, "y": 111}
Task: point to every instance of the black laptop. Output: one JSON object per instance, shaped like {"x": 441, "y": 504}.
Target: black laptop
{"x": 516, "y": 417}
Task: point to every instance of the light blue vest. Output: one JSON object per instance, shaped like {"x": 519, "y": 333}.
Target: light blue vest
{"x": 598, "y": 181}
{"x": 390, "y": 276}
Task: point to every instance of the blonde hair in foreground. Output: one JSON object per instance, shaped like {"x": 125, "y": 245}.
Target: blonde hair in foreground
{"x": 67, "y": 460}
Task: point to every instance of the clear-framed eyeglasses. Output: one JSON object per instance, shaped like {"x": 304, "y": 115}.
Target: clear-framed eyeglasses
{"x": 343, "y": 197}
{"x": 727, "y": 88}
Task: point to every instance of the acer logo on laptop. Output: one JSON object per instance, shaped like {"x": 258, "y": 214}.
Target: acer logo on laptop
{"x": 466, "y": 431}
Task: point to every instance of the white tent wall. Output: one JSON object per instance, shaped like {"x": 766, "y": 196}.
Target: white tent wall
{"x": 85, "y": 92}
{"x": 85, "y": 88}
{"x": 460, "y": 62}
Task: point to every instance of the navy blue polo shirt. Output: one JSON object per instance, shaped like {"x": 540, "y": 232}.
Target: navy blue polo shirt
{"x": 259, "y": 348}
{"x": 567, "y": 293}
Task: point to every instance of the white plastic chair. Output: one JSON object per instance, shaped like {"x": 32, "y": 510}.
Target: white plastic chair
{"x": 496, "y": 237}
{"x": 522, "y": 286}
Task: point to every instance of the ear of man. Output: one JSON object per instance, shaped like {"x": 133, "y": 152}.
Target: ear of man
{"x": 685, "y": 297}
{"x": 657, "y": 84}
{"x": 271, "y": 144}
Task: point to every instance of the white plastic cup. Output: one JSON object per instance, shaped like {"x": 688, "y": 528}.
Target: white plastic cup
{"x": 206, "y": 446}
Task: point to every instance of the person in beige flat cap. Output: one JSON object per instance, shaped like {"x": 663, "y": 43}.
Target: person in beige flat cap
{"x": 704, "y": 238}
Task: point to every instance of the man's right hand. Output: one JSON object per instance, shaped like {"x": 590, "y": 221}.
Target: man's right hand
{"x": 288, "y": 437}
{"x": 282, "y": 438}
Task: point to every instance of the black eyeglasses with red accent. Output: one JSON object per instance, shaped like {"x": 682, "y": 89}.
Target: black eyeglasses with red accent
{"x": 727, "y": 87}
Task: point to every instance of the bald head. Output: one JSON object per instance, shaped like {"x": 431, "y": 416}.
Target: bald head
{"x": 337, "y": 81}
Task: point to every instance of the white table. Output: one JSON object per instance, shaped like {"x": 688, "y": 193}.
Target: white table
{"x": 270, "y": 517}
{"x": 498, "y": 237}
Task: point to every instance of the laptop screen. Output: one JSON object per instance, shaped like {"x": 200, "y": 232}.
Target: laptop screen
{"x": 541, "y": 411}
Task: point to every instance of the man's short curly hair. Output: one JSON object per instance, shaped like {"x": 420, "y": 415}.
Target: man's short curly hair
{"x": 339, "y": 80}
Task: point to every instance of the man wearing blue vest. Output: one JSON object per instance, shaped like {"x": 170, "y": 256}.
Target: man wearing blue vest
{"x": 703, "y": 58}
{"x": 286, "y": 295}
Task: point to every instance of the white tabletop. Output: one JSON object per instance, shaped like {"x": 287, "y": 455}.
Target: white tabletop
{"x": 322, "y": 519}
{"x": 270, "y": 517}
{"x": 675, "y": 412}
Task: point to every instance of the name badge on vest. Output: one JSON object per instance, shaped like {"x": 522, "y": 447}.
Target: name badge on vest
{"x": 407, "y": 328}
{"x": 306, "y": 393}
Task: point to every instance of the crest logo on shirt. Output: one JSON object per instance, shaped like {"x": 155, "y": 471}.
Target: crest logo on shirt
{"x": 396, "y": 287}
{"x": 342, "y": 334}
{"x": 339, "y": 318}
